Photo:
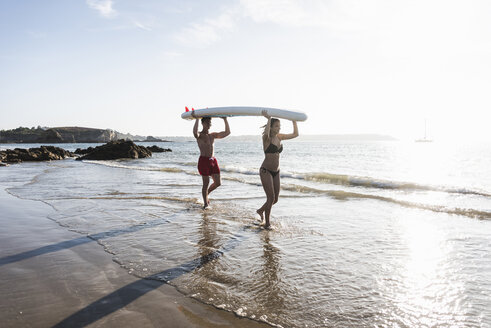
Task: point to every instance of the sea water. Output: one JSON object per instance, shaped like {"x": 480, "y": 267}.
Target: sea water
{"x": 365, "y": 233}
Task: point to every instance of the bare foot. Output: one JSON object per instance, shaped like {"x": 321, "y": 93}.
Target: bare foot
{"x": 206, "y": 203}
{"x": 261, "y": 214}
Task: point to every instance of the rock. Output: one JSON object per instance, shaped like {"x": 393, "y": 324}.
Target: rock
{"x": 81, "y": 151}
{"x": 157, "y": 149}
{"x": 43, "y": 153}
{"x": 117, "y": 149}
{"x": 51, "y": 136}
{"x": 152, "y": 139}
{"x": 57, "y": 135}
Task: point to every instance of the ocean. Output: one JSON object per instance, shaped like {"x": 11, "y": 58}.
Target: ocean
{"x": 365, "y": 233}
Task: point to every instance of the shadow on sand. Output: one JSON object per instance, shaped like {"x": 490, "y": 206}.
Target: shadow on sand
{"x": 127, "y": 294}
{"x": 78, "y": 241}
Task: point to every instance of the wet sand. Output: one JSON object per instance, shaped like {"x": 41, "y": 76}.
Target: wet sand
{"x": 52, "y": 277}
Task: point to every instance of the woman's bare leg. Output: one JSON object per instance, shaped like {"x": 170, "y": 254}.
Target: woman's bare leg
{"x": 277, "y": 187}
{"x": 260, "y": 210}
{"x": 268, "y": 186}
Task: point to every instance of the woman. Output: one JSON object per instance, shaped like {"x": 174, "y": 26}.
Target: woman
{"x": 270, "y": 168}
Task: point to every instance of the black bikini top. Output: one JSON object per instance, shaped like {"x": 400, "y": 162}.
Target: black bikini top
{"x": 272, "y": 149}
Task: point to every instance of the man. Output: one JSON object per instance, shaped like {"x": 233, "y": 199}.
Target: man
{"x": 207, "y": 164}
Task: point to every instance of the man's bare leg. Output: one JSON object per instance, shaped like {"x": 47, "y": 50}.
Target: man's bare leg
{"x": 216, "y": 183}
{"x": 204, "y": 191}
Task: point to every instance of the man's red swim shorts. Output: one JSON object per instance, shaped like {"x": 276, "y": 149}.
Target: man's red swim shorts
{"x": 208, "y": 166}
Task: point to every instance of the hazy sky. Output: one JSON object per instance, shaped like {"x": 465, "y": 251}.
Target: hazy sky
{"x": 354, "y": 66}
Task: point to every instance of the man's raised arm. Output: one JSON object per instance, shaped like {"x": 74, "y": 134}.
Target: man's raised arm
{"x": 225, "y": 133}
{"x": 196, "y": 125}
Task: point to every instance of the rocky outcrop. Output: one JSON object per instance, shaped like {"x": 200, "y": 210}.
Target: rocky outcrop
{"x": 153, "y": 139}
{"x": 50, "y": 136}
{"x": 43, "y": 153}
{"x": 83, "y": 135}
{"x": 156, "y": 149}
{"x": 80, "y": 151}
{"x": 21, "y": 135}
{"x": 57, "y": 135}
{"x": 117, "y": 149}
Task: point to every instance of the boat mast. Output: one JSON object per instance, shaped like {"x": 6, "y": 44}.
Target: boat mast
{"x": 425, "y": 129}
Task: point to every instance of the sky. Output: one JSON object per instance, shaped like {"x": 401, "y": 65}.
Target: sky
{"x": 354, "y": 66}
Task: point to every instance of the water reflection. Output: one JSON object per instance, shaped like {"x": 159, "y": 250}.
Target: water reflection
{"x": 208, "y": 243}
{"x": 429, "y": 292}
{"x": 271, "y": 262}
{"x": 269, "y": 292}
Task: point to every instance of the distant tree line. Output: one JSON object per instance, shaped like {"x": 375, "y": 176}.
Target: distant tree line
{"x": 24, "y": 130}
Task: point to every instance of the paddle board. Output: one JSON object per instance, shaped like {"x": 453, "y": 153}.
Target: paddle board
{"x": 244, "y": 111}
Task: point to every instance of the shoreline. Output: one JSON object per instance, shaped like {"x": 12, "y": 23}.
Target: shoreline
{"x": 53, "y": 277}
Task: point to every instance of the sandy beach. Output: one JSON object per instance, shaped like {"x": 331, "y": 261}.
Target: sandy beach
{"x": 52, "y": 277}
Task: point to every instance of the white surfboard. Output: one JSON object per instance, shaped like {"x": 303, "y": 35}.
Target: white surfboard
{"x": 245, "y": 111}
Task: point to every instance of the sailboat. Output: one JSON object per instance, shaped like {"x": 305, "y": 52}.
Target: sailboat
{"x": 425, "y": 139}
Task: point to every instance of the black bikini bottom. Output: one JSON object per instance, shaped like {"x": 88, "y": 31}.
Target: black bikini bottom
{"x": 273, "y": 173}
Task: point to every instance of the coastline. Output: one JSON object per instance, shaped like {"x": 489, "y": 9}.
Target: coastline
{"x": 50, "y": 276}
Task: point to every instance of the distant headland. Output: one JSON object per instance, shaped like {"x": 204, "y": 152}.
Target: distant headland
{"x": 67, "y": 135}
